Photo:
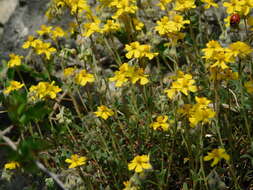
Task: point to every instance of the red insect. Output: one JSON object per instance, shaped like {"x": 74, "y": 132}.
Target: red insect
{"x": 234, "y": 19}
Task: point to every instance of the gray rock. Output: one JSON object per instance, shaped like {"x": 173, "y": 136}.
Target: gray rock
{"x": 7, "y": 8}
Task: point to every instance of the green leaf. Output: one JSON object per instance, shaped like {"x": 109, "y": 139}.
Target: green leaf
{"x": 35, "y": 113}
{"x": 185, "y": 186}
{"x": 10, "y": 74}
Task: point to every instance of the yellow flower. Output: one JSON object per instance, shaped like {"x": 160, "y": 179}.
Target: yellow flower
{"x": 92, "y": 27}
{"x": 44, "y": 30}
{"x": 11, "y": 165}
{"x": 140, "y": 163}
{"x": 184, "y": 83}
{"x": 123, "y": 7}
{"x": 43, "y": 48}
{"x": 240, "y": 49}
{"x": 202, "y": 102}
{"x": 217, "y": 154}
{"x": 170, "y": 25}
{"x": 15, "y": 60}
{"x": 14, "y": 85}
{"x": 250, "y": 22}
{"x": 121, "y": 76}
{"x": 163, "y": 4}
{"x": 200, "y": 115}
{"x": 104, "y": 112}
{"x": 136, "y": 50}
{"x": 223, "y": 56}
{"x": 182, "y": 5}
{"x": 129, "y": 73}
{"x": 161, "y": 122}
{"x": 130, "y": 186}
{"x": 219, "y": 56}
{"x": 227, "y": 21}
{"x": 78, "y": 6}
{"x": 242, "y": 7}
{"x": 233, "y": 6}
{"x": 200, "y": 112}
{"x": 75, "y": 6}
{"x": 69, "y": 71}
{"x": 209, "y": 3}
{"x": 165, "y": 26}
{"x": 138, "y": 74}
{"x": 60, "y": 3}
{"x": 211, "y": 50}
{"x": 29, "y": 42}
{"x": 82, "y": 78}
{"x": 75, "y": 161}
{"x": 138, "y": 25}
{"x": 43, "y": 90}
{"x": 111, "y": 26}
{"x": 249, "y": 86}
{"x": 57, "y": 32}
{"x": 171, "y": 93}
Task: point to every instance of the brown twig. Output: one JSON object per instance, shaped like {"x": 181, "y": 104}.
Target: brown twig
{"x": 38, "y": 164}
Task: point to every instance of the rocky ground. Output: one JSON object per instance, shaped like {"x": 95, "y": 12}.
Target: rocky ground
{"x": 19, "y": 18}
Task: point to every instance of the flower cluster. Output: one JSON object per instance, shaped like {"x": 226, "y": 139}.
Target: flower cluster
{"x": 234, "y": 7}
{"x": 219, "y": 57}
{"x": 184, "y": 84}
{"x": 76, "y": 7}
{"x": 137, "y": 50}
{"x": 44, "y": 90}
{"x": 183, "y": 5}
{"x": 199, "y": 113}
{"x": 166, "y": 120}
{"x": 94, "y": 26}
{"x": 240, "y": 49}
{"x": 210, "y": 3}
{"x": 82, "y": 77}
{"x": 15, "y": 60}
{"x": 242, "y": 7}
{"x": 14, "y": 85}
{"x": 53, "y": 33}
{"x": 110, "y": 26}
{"x": 171, "y": 26}
{"x": 39, "y": 46}
{"x": 178, "y": 5}
{"x": 123, "y": 7}
{"x": 129, "y": 73}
